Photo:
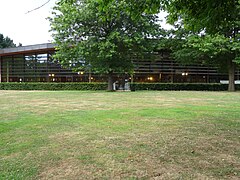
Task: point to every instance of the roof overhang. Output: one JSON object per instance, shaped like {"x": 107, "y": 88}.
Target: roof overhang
{"x": 31, "y": 49}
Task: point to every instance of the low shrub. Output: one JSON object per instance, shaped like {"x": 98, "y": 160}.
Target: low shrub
{"x": 180, "y": 86}
{"x": 53, "y": 86}
{"x": 103, "y": 86}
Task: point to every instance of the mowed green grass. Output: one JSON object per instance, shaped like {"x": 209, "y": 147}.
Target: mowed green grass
{"x": 120, "y": 135}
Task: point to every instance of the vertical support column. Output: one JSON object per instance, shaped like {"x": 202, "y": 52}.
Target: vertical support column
{"x": 1, "y": 69}
{"x": 35, "y": 68}
{"x": 160, "y": 77}
{"x": 207, "y": 78}
{"x": 132, "y": 76}
{"x": 89, "y": 68}
{"x": 90, "y": 76}
{"x": 12, "y": 68}
{"x": 23, "y": 70}
{"x": 48, "y": 57}
{"x": 7, "y": 70}
{"x": 238, "y": 73}
{"x": 172, "y": 72}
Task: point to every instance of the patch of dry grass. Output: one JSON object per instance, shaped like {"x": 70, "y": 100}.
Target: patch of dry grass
{"x": 123, "y": 135}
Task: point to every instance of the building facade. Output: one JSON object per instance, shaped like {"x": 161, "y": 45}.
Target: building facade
{"x": 35, "y": 63}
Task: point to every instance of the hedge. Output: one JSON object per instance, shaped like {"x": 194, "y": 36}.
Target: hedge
{"x": 181, "y": 86}
{"x": 53, "y": 86}
{"x": 103, "y": 86}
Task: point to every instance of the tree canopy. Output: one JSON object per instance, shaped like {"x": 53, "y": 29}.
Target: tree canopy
{"x": 219, "y": 21}
{"x": 215, "y": 37}
{"x": 6, "y": 42}
{"x": 103, "y": 38}
{"x": 106, "y": 32}
{"x": 209, "y": 15}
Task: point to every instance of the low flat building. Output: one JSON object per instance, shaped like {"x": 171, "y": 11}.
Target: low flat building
{"x": 35, "y": 63}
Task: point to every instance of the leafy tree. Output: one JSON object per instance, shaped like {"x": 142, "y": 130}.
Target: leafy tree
{"x": 103, "y": 38}
{"x": 218, "y": 20}
{"x": 6, "y": 42}
{"x": 219, "y": 24}
{"x": 215, "y": 50}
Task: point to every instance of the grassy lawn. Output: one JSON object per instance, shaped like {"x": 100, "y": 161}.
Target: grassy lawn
{"x": 121, "y": 135}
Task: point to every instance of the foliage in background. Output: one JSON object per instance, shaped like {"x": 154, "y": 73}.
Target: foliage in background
{"x": 216, "y": 25}
{"x": 180, "y": 86}
{"x": 218, "y": 20}
{"x": 103, "y": 86}
{"x": 53, "y": 86}
{"x": 6, "y": 42}
{"x": 213, "y": 50}
{"x": 209, "y": 15}
{"x": 103, "y": 39}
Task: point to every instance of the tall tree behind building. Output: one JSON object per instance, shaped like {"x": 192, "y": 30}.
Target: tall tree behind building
{"x": 104, "y": 38}
{"x": 219, "y": 20}
{"x": 6, "y": 42}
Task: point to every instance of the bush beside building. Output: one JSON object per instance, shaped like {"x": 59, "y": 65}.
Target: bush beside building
{"x": 103, "y": 86}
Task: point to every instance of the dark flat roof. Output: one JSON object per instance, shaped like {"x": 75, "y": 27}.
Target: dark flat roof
{"x": 37, "y": 48}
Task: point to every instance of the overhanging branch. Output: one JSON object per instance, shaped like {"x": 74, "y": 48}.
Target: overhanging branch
{"x": 38, "y": 7}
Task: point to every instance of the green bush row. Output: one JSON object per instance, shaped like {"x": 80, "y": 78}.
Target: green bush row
{"x": 180, "y": 86}
{"x": 53, "y": 86}
{"x": 103, "y": 86}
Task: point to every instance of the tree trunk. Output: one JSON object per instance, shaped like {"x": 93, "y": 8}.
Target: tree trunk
{"x": 231, "y": 76}
{"x": 110, "y": 81}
